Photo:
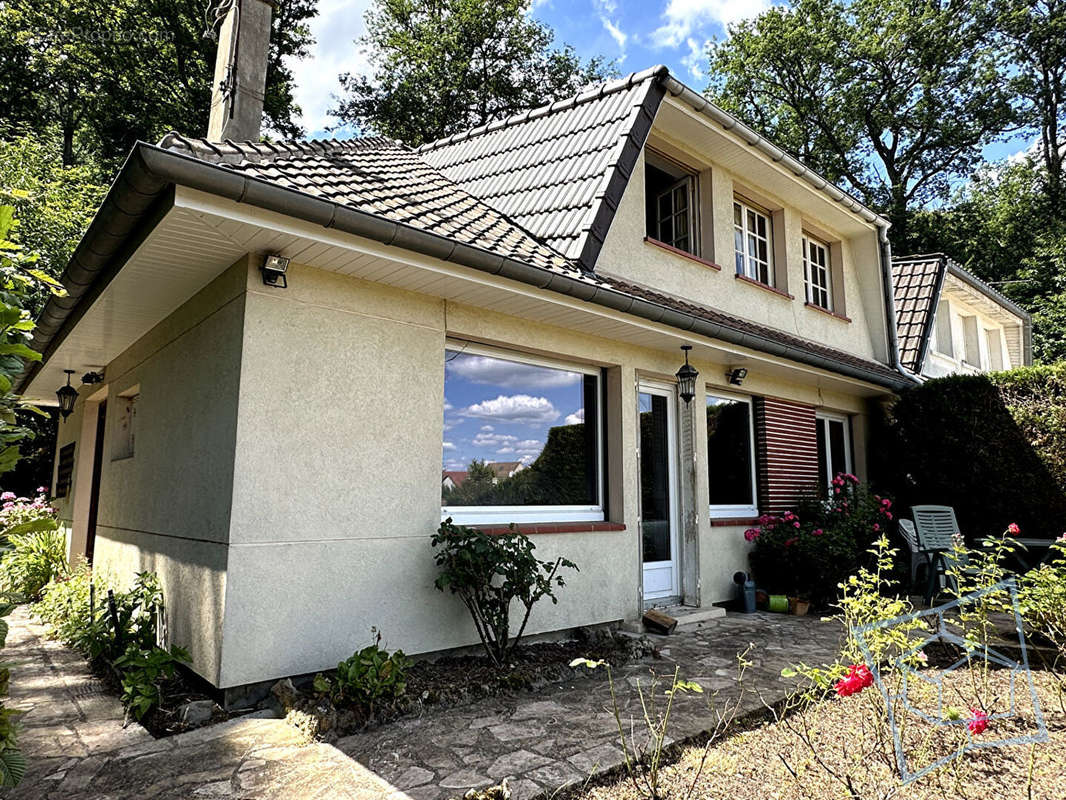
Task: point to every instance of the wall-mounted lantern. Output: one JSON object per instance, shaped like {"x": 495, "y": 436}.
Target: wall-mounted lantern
{"x": 686, "y": 378}
{"x": 67, "y": 395}
{"x": 91, "y": 378}
{"x": 736, "y": 375}
{"x": 273, "y": 269}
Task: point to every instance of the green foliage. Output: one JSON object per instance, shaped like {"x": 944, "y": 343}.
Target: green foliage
{"x": 891, "y": 98}
{"x": 34, "y": 558}
{"x": 1042, "y": 598}
{"x": 991, "y": 446}
{"x": 12, "y": 763}
{"x": 369, "y": 677}
{"x": 143, "y": 672}
{"x": 811, "y": 551}
{"x": 102, "y": 76}
{"x": 489, "y": 573}
{"x": 64, "y": 606}
{"x": 444, "y": 66}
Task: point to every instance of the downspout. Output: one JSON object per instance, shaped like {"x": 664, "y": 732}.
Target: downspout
{"x": 885, "y": 251}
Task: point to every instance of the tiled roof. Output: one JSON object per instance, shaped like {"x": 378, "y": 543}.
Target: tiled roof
{"x": 916, "y": 282}
{"x": 551, "y": 169}
{"x": 381, "y": 177}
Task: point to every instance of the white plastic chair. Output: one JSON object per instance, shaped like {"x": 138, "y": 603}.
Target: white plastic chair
{"x": 910, "y": 536}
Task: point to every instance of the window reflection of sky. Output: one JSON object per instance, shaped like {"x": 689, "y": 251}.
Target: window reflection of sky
{"x": 498, "y": 410}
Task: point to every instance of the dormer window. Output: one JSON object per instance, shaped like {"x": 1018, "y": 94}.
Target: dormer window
{"x": 816, "y": 273}
{"x": 671, "y": 203}
{"x": 752, "y": 238}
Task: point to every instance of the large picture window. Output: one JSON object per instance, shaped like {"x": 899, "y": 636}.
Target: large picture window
{"x": 730, "y": 456}
{"x": 521, "y": 439}
{"x": 752, "y": 240}
{"x": 816, "y": 273}
{"x": 834, "y": 447}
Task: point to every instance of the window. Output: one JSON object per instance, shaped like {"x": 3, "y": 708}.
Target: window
{"x": 65, "y": 470}
{"x": 521, "y": 439}
{"x": 995, "y": 350}
{"x": 731, "y": 456}
{"x": 752, "y": 242}
{"x": 834, "y": 447}
{"x": 944, "y": 345}
{"x": 671, "y": 203}
{"x": 816, "y": 273}
{"x": 125, "y": 426}
{"x": 971, "y": 341}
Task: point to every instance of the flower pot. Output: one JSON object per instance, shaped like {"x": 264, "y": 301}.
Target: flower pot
{"x": 779, "y": 603}
{"x": 798, "y": 606}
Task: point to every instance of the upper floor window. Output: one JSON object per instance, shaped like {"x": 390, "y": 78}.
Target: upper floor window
{"x": 752, "y": 242}
{"x": 816, "y": 273}
{"x": 671, "y": 203}
{"x": 971, "y": 344}
{"x": 995, "y": 349}
{"x": 521, "y": 440}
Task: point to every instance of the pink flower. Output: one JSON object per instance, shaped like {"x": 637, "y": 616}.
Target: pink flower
{"x": 836, "y": 491}
{"x": 886, "y": 503}
{"x": 7, "y": 496}
{"x": 978, "y": 723}
{"x": 876, "y": 527}
{"x": 42, "y": 490}
{"x": 888, "y": 514}
{"x": 795, "y": 524}
{"x": 751, "y": 534}
{"x": 818, "y": 532}
{"x": 1013, "y": 529}
{"x": 790, "y": 542}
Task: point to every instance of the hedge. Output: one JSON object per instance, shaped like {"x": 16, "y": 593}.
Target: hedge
{"x": 992, "y": 446}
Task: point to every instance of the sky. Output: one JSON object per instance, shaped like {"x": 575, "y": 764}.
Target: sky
{"x": 635, "y": 33}
{"x": 499, "y": 410}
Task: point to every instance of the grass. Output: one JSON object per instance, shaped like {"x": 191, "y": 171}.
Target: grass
{"x": 840, "y": 748}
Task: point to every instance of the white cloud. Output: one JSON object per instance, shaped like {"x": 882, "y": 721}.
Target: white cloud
{"x": 495, "y": 371}
{"x": 682, "y": 17}
{"x": 504, "y": 451}
{"x": 449, "y": 446}
{"x": 605, "y": 10}
{"x": 696, "y": 58}
{"x": 576, "y": 418}
{"x": 447, "y": 406}
{"x": 528, "y": 444}
{"x": 514, "y": 408}
{"x": 487, "y": 428}
{"x": 493, "y": 439}
{"x": 338, "y": 24}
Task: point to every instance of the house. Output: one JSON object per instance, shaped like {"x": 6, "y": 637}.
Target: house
{"x": 453, "y": 478}
{"x": 311, "y": 332}
{"x": 950, "y": 321}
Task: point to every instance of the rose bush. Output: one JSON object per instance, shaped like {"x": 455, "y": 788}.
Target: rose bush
{"x": 808, "y": 552}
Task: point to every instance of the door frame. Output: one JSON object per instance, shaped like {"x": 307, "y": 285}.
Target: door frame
{"x": 669, "y": 391}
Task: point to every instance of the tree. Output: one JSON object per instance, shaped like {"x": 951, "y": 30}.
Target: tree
{"x": 443, "y": 66}
{"x": 892, "y": 98}
{"x": 1035, "y": 31}
{"x": 108, "y": 74}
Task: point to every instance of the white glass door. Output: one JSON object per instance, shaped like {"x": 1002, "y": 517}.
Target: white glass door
{"x": 658, "y": 491}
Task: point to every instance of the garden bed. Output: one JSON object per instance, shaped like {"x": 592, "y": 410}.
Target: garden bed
{"x": 772, "y": 759}
{"x": 459, "y": 680}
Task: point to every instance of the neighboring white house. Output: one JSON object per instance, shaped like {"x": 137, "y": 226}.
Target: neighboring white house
{"x": 949, "y": 321}
{"x": 516, "y": 293}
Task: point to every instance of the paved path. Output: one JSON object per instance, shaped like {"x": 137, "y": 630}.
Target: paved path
{"x": 77, "y": 748}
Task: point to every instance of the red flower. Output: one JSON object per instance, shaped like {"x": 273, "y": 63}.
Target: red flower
{"x": 818, "y": 532}
{"x": 978, "y": 723}
{"x": 876, "y": 527}
{"x": 751, "y": 534}
{"x": 858, "y": 678}
{"x": 790, "y": 542}
{"x": 1013, "y": 529}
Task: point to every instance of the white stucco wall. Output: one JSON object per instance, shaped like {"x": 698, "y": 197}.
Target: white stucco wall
{"x": 627, "y": 255}
{"x": 166, "y": 509}
{"x": 938, "y": 364}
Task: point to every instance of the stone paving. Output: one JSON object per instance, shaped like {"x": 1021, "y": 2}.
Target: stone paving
{"x": 78, "y": 749}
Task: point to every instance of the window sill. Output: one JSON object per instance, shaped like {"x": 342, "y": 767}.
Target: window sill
{"x": 734, "y": 522}
{"x": 835, "y": 315}
{"x": 551, "y": 527}
{"x": 679, "y": 252}
{"x": 766, "y": 286}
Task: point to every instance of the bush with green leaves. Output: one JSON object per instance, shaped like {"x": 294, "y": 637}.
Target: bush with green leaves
{"x": 811, "y": 551}
{"x": 33, "y": 559}
{"x": 142, "y": 673}
{"x": 12, "y": 762}
{"x": 1042, "y": 597}
{"x": 489, "y": 573}
{"x": 371, "y": 676}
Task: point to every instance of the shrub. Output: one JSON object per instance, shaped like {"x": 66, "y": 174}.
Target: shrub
{"x": 489, "y": 573}
{"x": 369, "y": 677}
{"x": 33, "y": 559}
{"x": 142, "y": 673}
{"x": 811, "y": 551}
{"x": 992, "y": 446}
{"x": 12, "y": 763}
{"x": 1042, "y": 597}
{"x": 21, "y": 514}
